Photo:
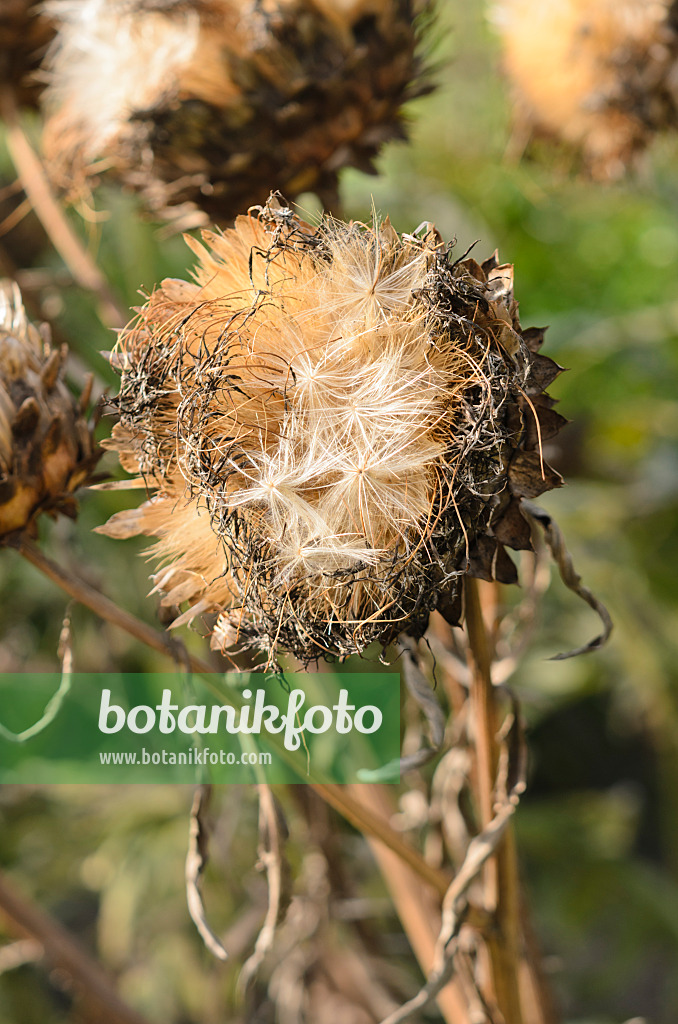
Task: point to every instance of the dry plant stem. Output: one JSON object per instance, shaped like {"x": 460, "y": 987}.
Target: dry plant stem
{"x": 62, "y": 236}
{"x": 61, "y": 950}
{"x": 419, "y": 913}
{"x": 337, "y": 796}
{"x": 455, "y": 904}
{"x": 501, "y": 875}
{"x": 373, "y": 821}
{"x": 107, "y": 609}
{"x": 538, "y": 1006}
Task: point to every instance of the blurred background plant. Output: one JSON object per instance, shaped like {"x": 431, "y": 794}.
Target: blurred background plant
{"x": 598, "y": 826}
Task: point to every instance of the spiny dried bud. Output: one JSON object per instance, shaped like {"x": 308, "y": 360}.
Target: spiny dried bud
{"x": 46, "y": 446}
{"x": 25, "y": 33}
{"x": 338, "y": 422}
{"x": 600, "y": 76}
{"x": 202, "y": 105}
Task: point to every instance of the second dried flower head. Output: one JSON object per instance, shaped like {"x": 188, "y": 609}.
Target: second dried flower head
{"x": 204, "y": 105}
{"x": 337, "y": 423}
{"x": 598, "y": 75}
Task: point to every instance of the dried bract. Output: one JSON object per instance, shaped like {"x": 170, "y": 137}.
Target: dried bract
{"x": 337, "y": 423}
{"x": 46, "y": 446}
{"x": 601, "y": 76}
{"x": 25, "y": 34}
{"x": 203, "y": 105}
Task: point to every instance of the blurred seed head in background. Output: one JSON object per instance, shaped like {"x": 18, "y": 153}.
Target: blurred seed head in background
{"x": 337, "y": 423}
{"x": 26, "y": 30}
{"x": 205, "y": 105}
{"x": 47, "y": 448}
{"x": 601, "y": 77}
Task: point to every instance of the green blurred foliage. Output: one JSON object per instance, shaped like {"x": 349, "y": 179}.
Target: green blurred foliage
{"x": 598, "y": 829}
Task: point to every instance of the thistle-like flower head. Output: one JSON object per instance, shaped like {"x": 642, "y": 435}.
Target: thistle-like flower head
{"x": 600, "y": 77}
{"x": 202, "y": 104}
{"x": 336, "y": 424}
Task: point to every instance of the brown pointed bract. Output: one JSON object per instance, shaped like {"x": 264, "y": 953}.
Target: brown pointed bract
{"x": 26, "y": 31}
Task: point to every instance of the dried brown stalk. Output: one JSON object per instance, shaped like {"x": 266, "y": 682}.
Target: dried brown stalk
{"x": 482, "y": 848}
{"x": 372, "y": 821}
{"x": 62, "y": 236}
{"x": 416, "y": 905}
{"x": 337, "y": 796}
{"x": 272, "y": 835}
{"x": 61, "y": 949}
{"x": 107, "y": 609}
{"x": 501, "y": 877}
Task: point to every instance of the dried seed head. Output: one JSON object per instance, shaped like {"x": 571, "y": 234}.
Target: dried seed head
{"x": 601, "y": 77}
{"x": 46, "y": 446}
{"x": 202, "y": 104}
{"x": 337, "y": 423}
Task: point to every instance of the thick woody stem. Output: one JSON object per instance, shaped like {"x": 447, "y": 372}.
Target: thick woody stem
{"x": 501, "y": 877}
{"x": 416, "y": 905}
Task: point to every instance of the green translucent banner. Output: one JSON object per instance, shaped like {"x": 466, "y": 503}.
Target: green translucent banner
{"x": 169, "y": 728}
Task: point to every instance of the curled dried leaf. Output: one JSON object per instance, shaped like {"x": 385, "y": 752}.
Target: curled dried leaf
{"x": 570, "y": 577}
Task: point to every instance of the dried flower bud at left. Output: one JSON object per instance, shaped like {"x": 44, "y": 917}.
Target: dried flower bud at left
{"x": 47, "y": 449}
